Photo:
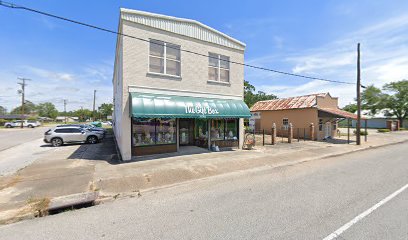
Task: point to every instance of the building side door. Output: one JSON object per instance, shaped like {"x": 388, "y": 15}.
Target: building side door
{"x": 327, "y": 132}
{"x": 186, "y": 132}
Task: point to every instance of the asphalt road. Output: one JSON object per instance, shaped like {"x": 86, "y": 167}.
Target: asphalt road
{"x": 20, "y": 147}
{"x": 304, "y": 201}
{"x": 11, "y": 137}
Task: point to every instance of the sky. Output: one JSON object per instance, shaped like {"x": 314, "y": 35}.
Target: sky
{"x": 316, "y": 38}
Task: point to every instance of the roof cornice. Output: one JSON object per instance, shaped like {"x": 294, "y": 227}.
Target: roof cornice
{"x": 182, "y": 26}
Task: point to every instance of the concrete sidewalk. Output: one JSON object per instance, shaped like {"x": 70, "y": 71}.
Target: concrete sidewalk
{"x": 88, "y": 168}
{"x": 150, "y": 174}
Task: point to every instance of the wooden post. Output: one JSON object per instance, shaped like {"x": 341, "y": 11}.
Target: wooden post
{"x": 358, "y": 126}
{"x": 290, "y": 133}
{"x": 365, "y": 136}
{"x": 312, "y": 132}
{"x": 348, "y": 131}
{"x": 273, "y": 134}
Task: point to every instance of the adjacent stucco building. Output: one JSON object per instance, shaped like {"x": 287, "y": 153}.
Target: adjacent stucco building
{"x": 321, "y": 110}
{"x": 174, "y": 85}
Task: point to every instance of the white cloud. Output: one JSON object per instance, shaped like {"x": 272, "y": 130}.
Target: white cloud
{"x": 51, "y": 75}
{"x": 384, "y": 58}
{"x": 49, "y": 85}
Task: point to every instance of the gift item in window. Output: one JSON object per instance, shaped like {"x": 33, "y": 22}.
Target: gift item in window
{"x": 148, "y": 138}
{"x": 171, "y": 131}
{"x": 214, "y": 133}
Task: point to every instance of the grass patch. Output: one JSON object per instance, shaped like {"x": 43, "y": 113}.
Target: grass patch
{"x": 39, "y": 206}
{"x": 383, "y": 130}
{"x": 362, "y": 132}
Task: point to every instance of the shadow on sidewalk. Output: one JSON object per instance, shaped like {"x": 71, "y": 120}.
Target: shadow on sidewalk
{"x": 102, "y": 151}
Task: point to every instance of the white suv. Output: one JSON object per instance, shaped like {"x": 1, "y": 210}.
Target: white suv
{"x": 26, "y": 123}
{"x": 60, "y": 135}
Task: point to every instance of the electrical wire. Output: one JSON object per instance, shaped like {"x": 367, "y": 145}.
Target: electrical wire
{"x": 14, "y": 6}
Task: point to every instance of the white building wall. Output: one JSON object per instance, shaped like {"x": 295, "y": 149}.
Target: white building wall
{"x": 194, "y": 82}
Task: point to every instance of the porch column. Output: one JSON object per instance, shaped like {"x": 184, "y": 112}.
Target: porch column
{"x": 178, "y": 134}
{"x": 209, "y": 133}
{"x": 241, "y": 133}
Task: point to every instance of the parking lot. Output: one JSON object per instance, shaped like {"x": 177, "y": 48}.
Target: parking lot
{"x": 21, "y": 147}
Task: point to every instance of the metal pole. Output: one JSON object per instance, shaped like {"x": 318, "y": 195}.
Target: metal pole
{"x": 263, "y": 137}
{"x": 358, "y": 126}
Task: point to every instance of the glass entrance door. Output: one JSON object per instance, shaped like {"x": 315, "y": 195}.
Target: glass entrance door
{"x": 186, "y": 132}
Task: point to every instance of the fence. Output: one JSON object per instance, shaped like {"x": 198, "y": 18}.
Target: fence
{"x": 264, "y": 136}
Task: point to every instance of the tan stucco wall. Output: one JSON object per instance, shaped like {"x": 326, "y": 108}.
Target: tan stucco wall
{"x": 300, "y": 118}
{"x": 327, "y": 101}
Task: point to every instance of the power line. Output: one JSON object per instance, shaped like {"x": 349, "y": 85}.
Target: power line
{"x": 14, "y": 6}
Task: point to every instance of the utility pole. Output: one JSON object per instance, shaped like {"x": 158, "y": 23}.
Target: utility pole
{"x": 65, "y": 110}
{"x": 23, "y": 84}
{"x": 358, "y": 126}
{"x": 93, "y": 111}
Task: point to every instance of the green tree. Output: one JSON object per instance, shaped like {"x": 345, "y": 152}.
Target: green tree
{"x": 82, "y": 114}
{"x": 47, "y": 109}
{"x": 3, "y": 110}
{"x": 29, "y": 108}
{"x": 251, "y": 96}
{"x": 105, "y": 110}
{"x": 396, "y": 99}
{"x": 372, "y": 99}
{"x": 352, "y": 107}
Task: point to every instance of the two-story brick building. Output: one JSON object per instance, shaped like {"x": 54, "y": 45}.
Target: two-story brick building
{"x": 175, "y": 85}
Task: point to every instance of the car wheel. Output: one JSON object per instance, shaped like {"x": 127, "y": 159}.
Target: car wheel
{"x": 56, "y": 142}
{"x": 8, "y": 126}
{"x": 92, "y": 139}
{"x": 30, "y": 126}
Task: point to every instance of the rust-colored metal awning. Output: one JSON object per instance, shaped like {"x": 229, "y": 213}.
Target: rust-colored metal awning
{"x": 338, "y": 113}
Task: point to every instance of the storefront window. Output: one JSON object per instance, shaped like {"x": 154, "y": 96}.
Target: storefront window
{"x": 217, "y": 129}
{"x": 201, "y": 127}
{"x": 166, "y": 131}
{"x": 151, "y": 131}
{"x": 231, "y": 129}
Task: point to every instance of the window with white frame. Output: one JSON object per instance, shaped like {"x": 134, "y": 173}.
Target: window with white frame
{"x": 285, "y": 123}
{"x": 218, "y": 67}
{"x": 164, "y": 58}
{"x": 320, "y": 124}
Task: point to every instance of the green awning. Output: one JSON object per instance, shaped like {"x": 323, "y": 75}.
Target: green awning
{"x": 146, "y": 105}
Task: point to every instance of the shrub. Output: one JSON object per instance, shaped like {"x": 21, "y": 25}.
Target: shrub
{"x": 2, "y": 122}
{"x": 362, "y": 132}
{"x": 403, "y": 129}
{"x": 383, "y": 130}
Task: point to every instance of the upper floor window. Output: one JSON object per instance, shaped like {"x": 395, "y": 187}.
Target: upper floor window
{"x": 218, "y": 67}
{"x": 164, "y": 58}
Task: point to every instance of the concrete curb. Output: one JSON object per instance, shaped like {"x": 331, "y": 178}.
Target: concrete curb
{"x": 56, "y": 203}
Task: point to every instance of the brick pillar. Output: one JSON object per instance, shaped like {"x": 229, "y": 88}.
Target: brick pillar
{"x": 312, "y": 132}
{"x": 398, "y": 125}
{"x": 273, "y": 134}
{"x": 290, "y": 133}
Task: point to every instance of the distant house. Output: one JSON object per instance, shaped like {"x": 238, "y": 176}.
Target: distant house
{"x": 320, "y": 109}
{"x": 378, "y": 120}
{"x": 68, "y": 119}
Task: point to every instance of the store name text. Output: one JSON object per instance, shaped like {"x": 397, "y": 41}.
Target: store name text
{"x": 201, "y": 110}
